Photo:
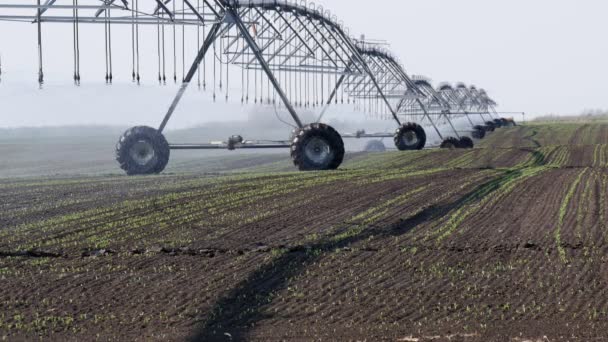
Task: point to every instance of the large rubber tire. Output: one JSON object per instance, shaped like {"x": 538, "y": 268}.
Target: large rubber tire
{"x": 317, "y": 147}
{"x": 490, "y": 126}
{"x": 410, "y": 137}
{"x": 142, "y": 150}
{"x": 375, "y": 146}
{"x": 450, "y": 143}
{"x": 466, "y": 142}
{"x": 479, "y": 132}
{"x": 510, "y": 123}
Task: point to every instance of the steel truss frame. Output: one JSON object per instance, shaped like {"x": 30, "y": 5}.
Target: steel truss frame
{"x": 281, "y": 40}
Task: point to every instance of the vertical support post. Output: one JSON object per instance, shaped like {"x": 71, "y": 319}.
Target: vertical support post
{"x": 197, "y": 61}
{"x": 258, "y": 54}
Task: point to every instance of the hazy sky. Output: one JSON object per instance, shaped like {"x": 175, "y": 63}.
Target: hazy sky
{"x": 540, "y": 56}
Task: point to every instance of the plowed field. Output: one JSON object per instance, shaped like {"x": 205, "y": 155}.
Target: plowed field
{"x": 505, "y": 242}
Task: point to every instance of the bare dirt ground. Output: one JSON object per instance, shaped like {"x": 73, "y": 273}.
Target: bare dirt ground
{"x": 505, "y": 242}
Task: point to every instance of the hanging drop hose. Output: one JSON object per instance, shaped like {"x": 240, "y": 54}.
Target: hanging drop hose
{"x": 105, "y": 28}
{"x": 274, "y": 90}
{"x": 242, "y": 76}
{"x": 137, "y": 40}
{"x": 301, "y": 91}
{"x": 163, "y": 49}
{"x": 74, "y": 38}
{"x": 336, "y": 85}
{"x": 198, "y": 45}
{"x": 133, "y": 45}
{"x": 214, "y": 71}
{"x": 322, "y": 89}
{"x": 268, "y": 90}
{"x": 255, "y": 86}
{"x": 220, "y": 59}
{"x": 110, "y": 44}
{"x": 174, "y": 49}
{"x": 204, "y": 59}
{"x": 76, "y": 45}
{"x": 160, "y": 77}
{"x": 183, "y": 42}
{"x": 227, "y": 77}
{"x": 248, "y": 82}
{"x": 39, "y": 23}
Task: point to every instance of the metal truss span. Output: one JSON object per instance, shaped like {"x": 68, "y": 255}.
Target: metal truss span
{"x": 287, "y": 55}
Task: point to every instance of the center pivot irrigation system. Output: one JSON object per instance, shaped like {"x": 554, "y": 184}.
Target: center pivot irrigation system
{"x": 293, "y": 56}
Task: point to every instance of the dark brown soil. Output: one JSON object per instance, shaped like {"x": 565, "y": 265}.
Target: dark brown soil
{"x": 491, "y": 244}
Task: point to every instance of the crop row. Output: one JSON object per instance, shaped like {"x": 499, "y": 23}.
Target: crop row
{"x": 565, "y": 208}
{"x": 485, "y": 196}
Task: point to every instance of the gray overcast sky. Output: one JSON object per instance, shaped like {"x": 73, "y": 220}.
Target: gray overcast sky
{"x": 540, "y": 56}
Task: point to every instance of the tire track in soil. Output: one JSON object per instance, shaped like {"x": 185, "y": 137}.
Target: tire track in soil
{"x": 244, "y": 298}
{"x": 564, "y": 219}
{"x": 498, "y": 188}
{"x": 530, "y": 203}
{"x": 358, "y": 259}
{"x": 531, "y": 138}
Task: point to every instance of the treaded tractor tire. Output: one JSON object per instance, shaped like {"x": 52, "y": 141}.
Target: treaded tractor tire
{"x": 142, "y": 150}
{"x": 466, "y": 142}
{"x": 410, "y": 136}
{"x": 490, "y": 126}
{"x": 450, "y": 143}
{"x": 479, "y": 132}
{"x": 317, "y": 147}
{"x": 375, "y": 146}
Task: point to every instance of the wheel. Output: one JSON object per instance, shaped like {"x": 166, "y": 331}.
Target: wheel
{"x": 490, "y": 126}
{"x": 498, "y": 123}
{"x": 317, "y": 147}
{"x": 410, "y": 136}
{"x": 466, "y": 142}
{"x": 479, "y": 132}
{"x": 450, "y": 143}
{"x": 375, "y": 146}
{"x": 142, "y": 150}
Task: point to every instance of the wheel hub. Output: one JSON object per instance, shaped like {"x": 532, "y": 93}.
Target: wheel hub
{"x": 142, "y": 152}
{"x": 318, "y": 151}
{"x": 410, "y": 138}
